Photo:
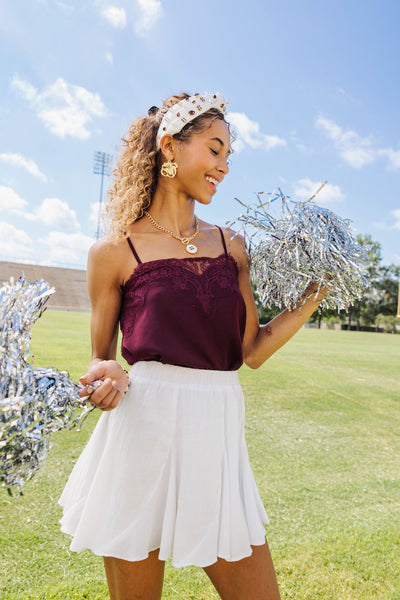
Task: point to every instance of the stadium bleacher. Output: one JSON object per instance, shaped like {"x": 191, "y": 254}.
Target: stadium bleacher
{"x": 70, "y": 284}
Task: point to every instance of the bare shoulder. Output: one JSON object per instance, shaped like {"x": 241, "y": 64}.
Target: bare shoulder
{"x": 234, "y": 242}
{"x": 237, "y": 247}
{"x": 107, "y": 257}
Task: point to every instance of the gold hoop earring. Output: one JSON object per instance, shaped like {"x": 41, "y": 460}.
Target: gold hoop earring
{"x": 169, "y": 169}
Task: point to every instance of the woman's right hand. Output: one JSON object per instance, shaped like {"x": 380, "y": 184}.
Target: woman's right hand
{"x": 114, "y": 384}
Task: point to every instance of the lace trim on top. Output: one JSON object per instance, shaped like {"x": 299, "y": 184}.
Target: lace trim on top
{"x": 207, "y": 276}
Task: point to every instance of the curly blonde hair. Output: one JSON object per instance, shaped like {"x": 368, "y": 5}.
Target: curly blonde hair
{"x": 137, "y": 171}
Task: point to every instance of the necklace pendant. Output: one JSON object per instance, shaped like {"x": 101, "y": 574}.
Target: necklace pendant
{"x": 191, "y": 248}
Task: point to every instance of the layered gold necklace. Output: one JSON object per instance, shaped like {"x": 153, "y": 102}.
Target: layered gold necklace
{"x": 191, "y": 248}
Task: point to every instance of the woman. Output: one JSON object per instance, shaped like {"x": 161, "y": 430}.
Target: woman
{"x": 166, "y": 473}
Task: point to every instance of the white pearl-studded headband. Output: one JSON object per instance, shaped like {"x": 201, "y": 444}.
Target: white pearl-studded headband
{"x": 186, "y": 110}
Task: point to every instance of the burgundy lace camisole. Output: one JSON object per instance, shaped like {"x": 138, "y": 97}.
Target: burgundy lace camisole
{"x": 184, "y": 311}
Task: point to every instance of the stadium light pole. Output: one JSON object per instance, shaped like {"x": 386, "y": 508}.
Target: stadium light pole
{"x": 398, "y": 303}
{"x": 102, "y": 166}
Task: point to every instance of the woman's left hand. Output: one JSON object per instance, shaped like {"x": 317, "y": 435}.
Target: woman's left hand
{"x": 114, "y": 379}
{"x": 315, "y": 292}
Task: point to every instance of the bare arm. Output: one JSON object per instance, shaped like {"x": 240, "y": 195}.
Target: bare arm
{"x": 259, "y": 343}
{"x": 104, "y": 285}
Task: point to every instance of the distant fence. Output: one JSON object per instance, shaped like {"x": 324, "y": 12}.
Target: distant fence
{"x": 70, "y": 284}
{"x": 345, "y": 327}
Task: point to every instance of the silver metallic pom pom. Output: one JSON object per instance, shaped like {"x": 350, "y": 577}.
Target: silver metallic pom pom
{"x": 34, "y": 402}
{"x": 305, "y": 244}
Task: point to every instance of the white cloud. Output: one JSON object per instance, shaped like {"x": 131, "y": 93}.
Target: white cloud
{"x": 356, "y": 150}
{"x": 396, "y": 214}
{"x": 56, "y": 213}
{"x": 109, "y": 58}
{"x": 52, "y": 211}
{"x": 393, "y": 156}
{"x": 297, "y": 143}
{"x": 15, "y": 244}
{"x": 17, "y": 160}
{"x": 59, "y": 3}
{"x": 248, "y": 133}
{"x": 347, "y": 96}
{"x": 94, "y": 215}
{"x": 305, "y": 188}
{"x": 64, "y": 108}
{"x": 150, "y": 12}
{"x": 64, "y": 6}
{"x": 67, "y": 248}
{"x": 11, "y": 202}
{"x": 115, "y": 16}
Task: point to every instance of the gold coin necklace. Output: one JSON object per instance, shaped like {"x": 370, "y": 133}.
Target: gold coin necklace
{"x": 191, "y": 248}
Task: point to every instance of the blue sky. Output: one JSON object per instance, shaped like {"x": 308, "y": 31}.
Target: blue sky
{"x": 313, "y": 89}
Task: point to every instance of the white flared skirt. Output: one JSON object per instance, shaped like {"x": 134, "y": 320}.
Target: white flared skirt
{"x": 168, "y": 469}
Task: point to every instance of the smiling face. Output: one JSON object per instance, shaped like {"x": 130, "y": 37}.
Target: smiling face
{"x": 202, "y": 161}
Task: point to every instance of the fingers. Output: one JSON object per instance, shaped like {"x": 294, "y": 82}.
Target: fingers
{"x": 95, "y": 371}
{"x": 106, "y": 368}
{"x": 88, "y": 389}
{"x": 103, "y": 384}
{"x": 106, "y": 396}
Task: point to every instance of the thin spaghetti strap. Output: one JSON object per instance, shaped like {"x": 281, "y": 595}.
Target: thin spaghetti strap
{"x": 223, "y": 239}
{"x": 135, "y": 254}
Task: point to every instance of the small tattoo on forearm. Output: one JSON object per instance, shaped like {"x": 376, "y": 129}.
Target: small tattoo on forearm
{"x": 268, "y": 330}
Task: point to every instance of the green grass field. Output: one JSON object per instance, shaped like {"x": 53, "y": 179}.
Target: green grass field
{"x": 323, "y": 430}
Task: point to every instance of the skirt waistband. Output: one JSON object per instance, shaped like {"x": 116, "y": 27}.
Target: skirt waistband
{"x": 156, "y": 371}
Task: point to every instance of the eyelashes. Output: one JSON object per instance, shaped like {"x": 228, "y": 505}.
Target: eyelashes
{"x": 216, "y": 153}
